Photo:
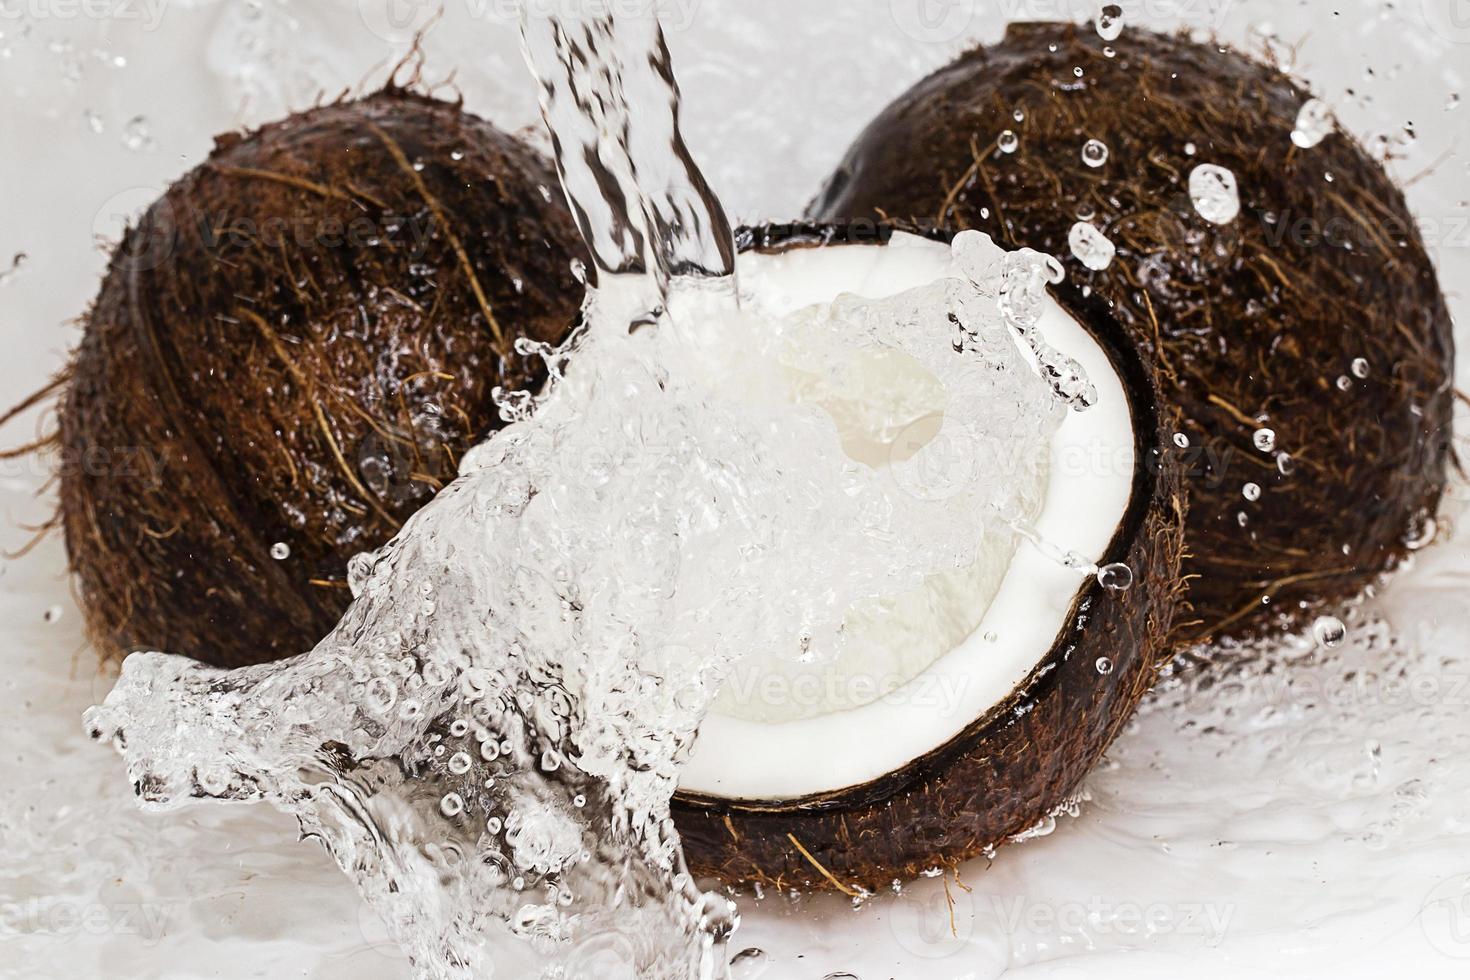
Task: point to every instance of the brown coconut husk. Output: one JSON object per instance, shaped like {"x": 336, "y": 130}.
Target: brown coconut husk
{"x": 1014, "y": 767}
{"x": 294, "y": 346}
{"x": 1251, "y": 325}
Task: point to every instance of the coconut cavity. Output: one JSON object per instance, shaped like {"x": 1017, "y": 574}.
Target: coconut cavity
{"x": 1265, "y": 263}
{"x": 291, "y": 352}
{"x": 489, "y": 740}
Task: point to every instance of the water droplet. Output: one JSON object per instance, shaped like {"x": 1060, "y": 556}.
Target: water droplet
{"x": 1094, "y": 153}
{"x": 1328, "y": 631}
{"x": 1213, "y": 191}
{"x": 459, "y": 763}
{"x": 1116, "y": 577}
{"x": 1104, "y": 665}
{"x": 1422, "y": 533}
{"x": 1019, "y": 115}
{"x": 1251, "y": 492}
{"x": 1285, "y": 465}
{"x": 748, "y": 964}
{"x": 1360, "y": 367}
{"x": 1181, "y": 440}
{"x": 493, "y": 826}
{"x": 1265, "y": 440}
{"x": 1313, "y": 124}
{"x": 1344, "y": 383}
{"x": 1091, "y": 247}
{"x": 1190, "y": 149}
{"x": 452, "y": 805}
{"x": 280, "y": 551}
{"x": 1109, "y": 21}
{"x": 1008, "y": 141}
{"x": 136, "y": 135}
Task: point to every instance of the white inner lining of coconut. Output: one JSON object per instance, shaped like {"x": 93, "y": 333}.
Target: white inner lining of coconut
{"x": 1091, "y": 479}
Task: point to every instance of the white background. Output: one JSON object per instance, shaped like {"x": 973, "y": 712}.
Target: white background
{"x": 1293, "y": 812}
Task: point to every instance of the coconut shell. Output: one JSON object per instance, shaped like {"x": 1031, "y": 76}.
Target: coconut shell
{"x": 1259, "y": 323}
{"x": 1015, "y": 766}
{"x": 290, "y": 352}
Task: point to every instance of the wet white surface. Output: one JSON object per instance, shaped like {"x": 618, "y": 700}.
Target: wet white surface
{"x": 1295, "y": 813}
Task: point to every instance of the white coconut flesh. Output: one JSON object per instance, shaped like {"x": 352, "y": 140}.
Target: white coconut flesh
{"x": 933, "y": 660}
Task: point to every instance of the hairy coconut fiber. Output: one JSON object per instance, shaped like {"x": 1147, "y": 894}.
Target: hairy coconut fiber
{"x": 289, "y": 353}
{"x": 1316, "y": 313}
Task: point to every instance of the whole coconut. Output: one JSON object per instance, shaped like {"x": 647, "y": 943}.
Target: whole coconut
{"x": 290, "y": 352}
{"x": 1306, "y": 341}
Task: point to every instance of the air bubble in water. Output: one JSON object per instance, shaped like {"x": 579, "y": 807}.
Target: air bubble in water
{"x": 1285, "y": 464}
{"x": 1360, "y": 367}
{"x": 1328, "y": 631}
{"x": 1313, "y": 124}
{"x": 1181, "y": 440}
{"x": 1265, "y": 439}
{"x": 1190, "y": 149}
{"x": 1344, "y": 382}
{"x": 280, "y": 551}
{"x": 459, "y": 763}
{"x": 1094, "y": 153}
{"x": 137, "y": 135}
{"x": 1008, "y": 141}
{"x": 1421, "y": 533}
{"x": 1116, "y": 577}
{"x": 1213, "y": 191}
{"x": 52, "y": 614}
{"x": 1109, "y": 21}
{"x": 1251, "y": 492}
{"x": 748, "y": 964}
{"x": 1091, "y": 247}
{"x": 1104, "y": 665}
{"x": 452, "y": 805}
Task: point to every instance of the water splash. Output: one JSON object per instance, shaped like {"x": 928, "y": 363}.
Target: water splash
{"x": 637, "y": 194}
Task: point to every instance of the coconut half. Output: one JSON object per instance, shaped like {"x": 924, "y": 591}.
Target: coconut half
{"x": 1005, "y": 683}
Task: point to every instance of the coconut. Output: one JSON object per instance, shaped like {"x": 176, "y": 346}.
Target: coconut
{"x": 993, "y": 735}
{"x": 289, "y": 353}
{"x": 1305, "y": 340}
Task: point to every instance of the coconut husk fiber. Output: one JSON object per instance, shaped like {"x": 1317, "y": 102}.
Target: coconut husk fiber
{"x": 290, "y": 352}
{"x": 1316, "y": 313}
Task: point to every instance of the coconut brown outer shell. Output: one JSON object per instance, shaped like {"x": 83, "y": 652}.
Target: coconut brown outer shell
{"x": 1014, "y": 767}
{"x": 295, "y": 345}
{"x": 1250, "y": 325}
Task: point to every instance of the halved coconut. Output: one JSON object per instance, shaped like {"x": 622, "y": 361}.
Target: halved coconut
{"x": 1018, "y": 675}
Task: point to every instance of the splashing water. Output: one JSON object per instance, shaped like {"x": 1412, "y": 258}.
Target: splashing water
{"x": 488, "y": 742}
